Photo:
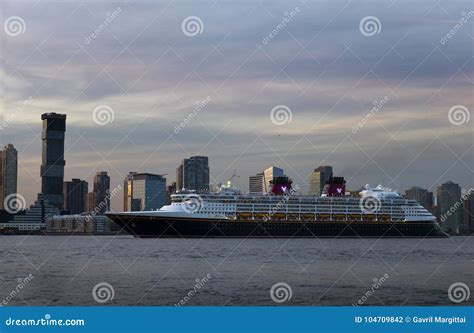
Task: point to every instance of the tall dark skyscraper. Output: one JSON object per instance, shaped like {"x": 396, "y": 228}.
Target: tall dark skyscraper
{"x": 52, "y": 168}
{"x": 193, "y": 174}
{"x": 75, "y": 193}
{"x": 101, "y": 191}
{"x": 8, "y": 172}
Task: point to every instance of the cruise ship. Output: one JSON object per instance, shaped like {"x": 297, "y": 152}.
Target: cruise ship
{"x": 374, "y": 212}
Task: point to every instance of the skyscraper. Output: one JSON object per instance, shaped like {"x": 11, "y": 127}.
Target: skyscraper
{"x": 128, "y": 204}
{"x": 449, "y": 207}
{"x": 52, "y": 168}
{"x": 101, "y": 192}
{"x": 468, "y": 212}
{"x": 90, "y": 202}
{"x": 256, "y": 183}
{"x": 422, "y": 196}
{"x": 471, "y": 211}
{"x": 193, "y": 174}
{"x": 268, "y": 175}
{"x": 260, "y": 183}
{"x": 75, "y": 192}
{"x": 318, "y": 179}
{"x": 171, "y": 189}
{"x": 144, "y": 191}
{"x": 8, "y": 172}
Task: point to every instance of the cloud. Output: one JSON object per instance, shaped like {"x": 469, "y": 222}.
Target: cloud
{"x": 152, "y": 75}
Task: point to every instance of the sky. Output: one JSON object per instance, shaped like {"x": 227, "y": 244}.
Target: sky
{"x": 381, "y": 90}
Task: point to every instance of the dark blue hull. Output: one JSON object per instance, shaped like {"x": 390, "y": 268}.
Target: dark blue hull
{"x": 165, "y": 227}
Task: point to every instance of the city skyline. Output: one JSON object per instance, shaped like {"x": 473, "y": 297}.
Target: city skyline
{"x": 169, "y": 96}
{"x": 100, "y": 174}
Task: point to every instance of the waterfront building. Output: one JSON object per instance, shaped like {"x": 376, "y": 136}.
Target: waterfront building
{"x": 35, "y": 217}
{"x": 144, "y": 191}
{"x": 422, "y": 196}
{"x": 269, "y": 174}
{"x": 8, "y": 173}
{"x": 256, "y": 183}
{"x": 193, "y": 174}
{"x": 170, "y": 189}
{"x": 468, "y": 214}
{"x": 318, "y": 179}
{"x": 471, "y": 211}
{"x": 52, "y": 167}
{"x": 90, "y": 202}
{"x": 449, "y": 207}
{"x": 79, "y": 224}
{"x": 75, "y": 192}
{"x": 102, "y": 192}
{"x": 260, "y": 183}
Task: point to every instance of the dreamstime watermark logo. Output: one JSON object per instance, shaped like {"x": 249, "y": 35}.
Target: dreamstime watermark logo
{"x": 197, "y": 109}
{"x": 369, "y": 26}
{"x": 110, "y": 16}
{"x": 460, "y": 24}
{"x": 193, "y": 203}
{"x": 378, "y": 105}
{"x": 377, "y": 283}
{"x": 458, "y": 204}
{"x": 370, "y": 204}
{"x": 281, "y": 115}
{"x": 14, "y": 26}
{"x": 288, "y": 16}
{"x": 459, "y": 115}
{"x": 281, "y": 292}
{"x": 459, "y": 292}
{"x": 14, "y": 202}
{"x": 103, "y": 292}
{"x": 199, "y": 284}
{"x": 192, "y": 26}
{"x": 103, "y": 115}
{"x": 22, "y": 282}
{"x": 8, "y": 119}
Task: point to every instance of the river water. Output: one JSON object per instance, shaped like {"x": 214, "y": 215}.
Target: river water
{"x": 65, "y": 269}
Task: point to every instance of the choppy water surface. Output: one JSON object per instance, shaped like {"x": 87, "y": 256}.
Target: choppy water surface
{"x": 65, "y": 270}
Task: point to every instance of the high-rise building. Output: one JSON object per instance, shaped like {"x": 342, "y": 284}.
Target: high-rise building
{"x": 449, "y": 207}
{"x": 268, "y": 175}
{"x": 128, "y": 203}
{"x": 193, "y": 174}
{"x": 318, "y": 179}
{"x": 256, "y": 183}
{"x": 75, "y": 192}
{"x": 90, "y": 202}
{"x": 471, "y": 211}
{"x": 52, "y": 167}
{"x": 102, "y": 192}
{"x": 468, "y": 217}
{"x": 8, "y": 172}
{"x": 170, "y": 189}
{"x": 422, "y": 196}
{"x": 35, "y": 217}
{"x": 260, "y": 183}
{"x": 144, "y": 191}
